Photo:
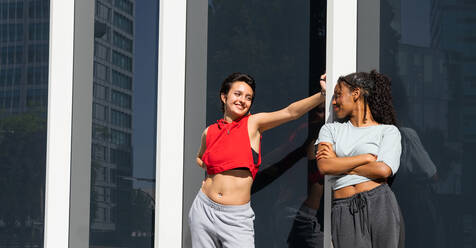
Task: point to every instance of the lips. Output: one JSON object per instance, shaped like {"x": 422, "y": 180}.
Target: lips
{"x": 239, "y": 106}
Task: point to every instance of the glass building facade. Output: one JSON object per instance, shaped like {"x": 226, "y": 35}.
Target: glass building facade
{"x": 123, "y": 145}
{"x": 150, "y": 98}
{"x": 24, "y": 39}
{"x": 430, "y": 54}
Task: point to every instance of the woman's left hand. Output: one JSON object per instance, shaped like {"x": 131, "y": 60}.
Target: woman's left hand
{"x": 322, "y": 82}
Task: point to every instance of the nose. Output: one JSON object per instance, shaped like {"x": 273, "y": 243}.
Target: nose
{"x": 242, "y": 99}
{"x": 334, "y": 101}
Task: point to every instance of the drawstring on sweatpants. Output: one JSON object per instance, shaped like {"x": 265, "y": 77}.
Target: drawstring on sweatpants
{"x": 357, "y": 204}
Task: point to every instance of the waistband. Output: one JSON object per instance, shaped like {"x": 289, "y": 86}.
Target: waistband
{"x": 220, "y": 207}
{"x": 366, "y": 194}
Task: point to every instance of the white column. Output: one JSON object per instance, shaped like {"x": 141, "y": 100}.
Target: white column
{"x": 69, "y": 124}
{"x": 341, "y": 59}
{"x": 170, "y": 123}
{"x": 60, "y": 108}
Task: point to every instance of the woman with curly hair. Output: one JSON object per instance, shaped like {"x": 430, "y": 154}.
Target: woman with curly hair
{"x": 361, "y": 152}
{"x": 221, "y": 214}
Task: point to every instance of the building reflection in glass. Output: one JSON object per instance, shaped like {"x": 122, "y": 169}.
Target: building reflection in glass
{"x": 24, "y": 39}
{"x": 123, "y": 130}
{"x": 428, "y": 50}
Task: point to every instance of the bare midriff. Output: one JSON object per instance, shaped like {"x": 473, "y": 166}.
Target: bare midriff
{"x": 349, "y": 191}
{"x": 232, "y": 187}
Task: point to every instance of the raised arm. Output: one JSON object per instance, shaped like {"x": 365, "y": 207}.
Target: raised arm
{"x": 201, "y": 150}
{"x": 266, "y": 121}
{"x": 329, "y": 164}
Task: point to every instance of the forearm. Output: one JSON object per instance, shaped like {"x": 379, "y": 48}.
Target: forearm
{"x": 374, "y": 170}
{"x": 341, "y": 165}
{"x": 299, "y": 108}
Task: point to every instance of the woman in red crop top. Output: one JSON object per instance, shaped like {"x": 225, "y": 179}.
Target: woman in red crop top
{"x": 230, "y": 153}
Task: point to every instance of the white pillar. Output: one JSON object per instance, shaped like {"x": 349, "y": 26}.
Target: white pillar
{"x": 341, "y": 59}
{"x": 170, "y": 123}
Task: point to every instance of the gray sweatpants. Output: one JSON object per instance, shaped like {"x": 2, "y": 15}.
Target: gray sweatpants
{"x": 368, "y": 219}
{"x": 216, "y": 225}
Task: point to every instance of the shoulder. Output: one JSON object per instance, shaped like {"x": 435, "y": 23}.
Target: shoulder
{"x": 334, "y": 126}
{"x": 390, "y": 130}
{"x": 253, "y": 117}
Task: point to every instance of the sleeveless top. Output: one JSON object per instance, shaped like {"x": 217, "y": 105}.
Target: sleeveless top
{"x": 228, "y": 147}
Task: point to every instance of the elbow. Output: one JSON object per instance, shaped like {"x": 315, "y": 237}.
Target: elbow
{"x": 384, "y": 171}
{"x": 323, "y": 167}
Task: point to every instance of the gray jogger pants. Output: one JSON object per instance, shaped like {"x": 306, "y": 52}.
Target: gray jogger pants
{"x": 215, "y": 225}
{"x": 370, "y": 219}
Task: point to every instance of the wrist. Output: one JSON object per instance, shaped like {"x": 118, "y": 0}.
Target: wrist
{"x": 323, "y": 92}
{"x": 370, "y": 158}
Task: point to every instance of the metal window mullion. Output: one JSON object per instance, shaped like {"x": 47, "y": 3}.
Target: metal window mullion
{"x": 341, "y": 59}
{"x": 195, "y": 105}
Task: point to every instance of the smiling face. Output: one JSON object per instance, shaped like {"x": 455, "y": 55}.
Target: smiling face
{"x": 344, "y": 100}
{"x": 238, "y": 99}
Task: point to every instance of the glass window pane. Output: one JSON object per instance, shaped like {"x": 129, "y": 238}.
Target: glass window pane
{"x": 123, "y": 42}
{"x": 428, "y": 49}
{"x": 122, "y": 61}
{"x": 281, "y": 44}
{"x": 121, "y": 80}
{"x": 124, "y": 5}
{"x": 123, "y": 130}
{"x": 101, "y": 51}
{"x": 123, "y": 23}
{"x": 24, "y": 49}
{"x": 103, "y": 12}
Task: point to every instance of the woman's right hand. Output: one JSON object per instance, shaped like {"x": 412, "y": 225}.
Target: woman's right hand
{"x": 201, "y": 164}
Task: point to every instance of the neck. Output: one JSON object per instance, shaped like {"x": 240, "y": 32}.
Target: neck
{"x": 357, "y": 118}
{"x": 230, "y": 118}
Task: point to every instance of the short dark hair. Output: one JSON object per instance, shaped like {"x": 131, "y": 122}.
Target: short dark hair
{"x": 236, "y": 77}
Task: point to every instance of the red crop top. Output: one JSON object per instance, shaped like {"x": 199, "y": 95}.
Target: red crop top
{"x": 228, "y": 147}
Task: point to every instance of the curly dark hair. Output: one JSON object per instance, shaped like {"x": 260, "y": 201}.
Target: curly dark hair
{"x": 377, "y": 93}
{"x": 235, "y": 77}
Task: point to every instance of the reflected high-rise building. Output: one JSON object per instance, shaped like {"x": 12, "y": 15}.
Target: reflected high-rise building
{"x": 24, "y": 31}
{"x": 112, "y": 121}
{"x": 452, "y": 29}
{"x": 24, "y": 48}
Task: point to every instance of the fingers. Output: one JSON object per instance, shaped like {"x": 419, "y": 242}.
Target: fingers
{"x": 322, "y": 82}
{"x": 373, "y": 157}
{"x": 326, "y": 146}
{"x": 325, "y": 153}
{"x": 323, "y": 77}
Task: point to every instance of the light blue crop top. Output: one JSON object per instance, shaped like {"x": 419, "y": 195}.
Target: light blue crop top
{"x": 384, "y": 141}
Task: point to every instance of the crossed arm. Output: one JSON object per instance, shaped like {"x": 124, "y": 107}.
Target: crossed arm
{"x": 363, "y": 165}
